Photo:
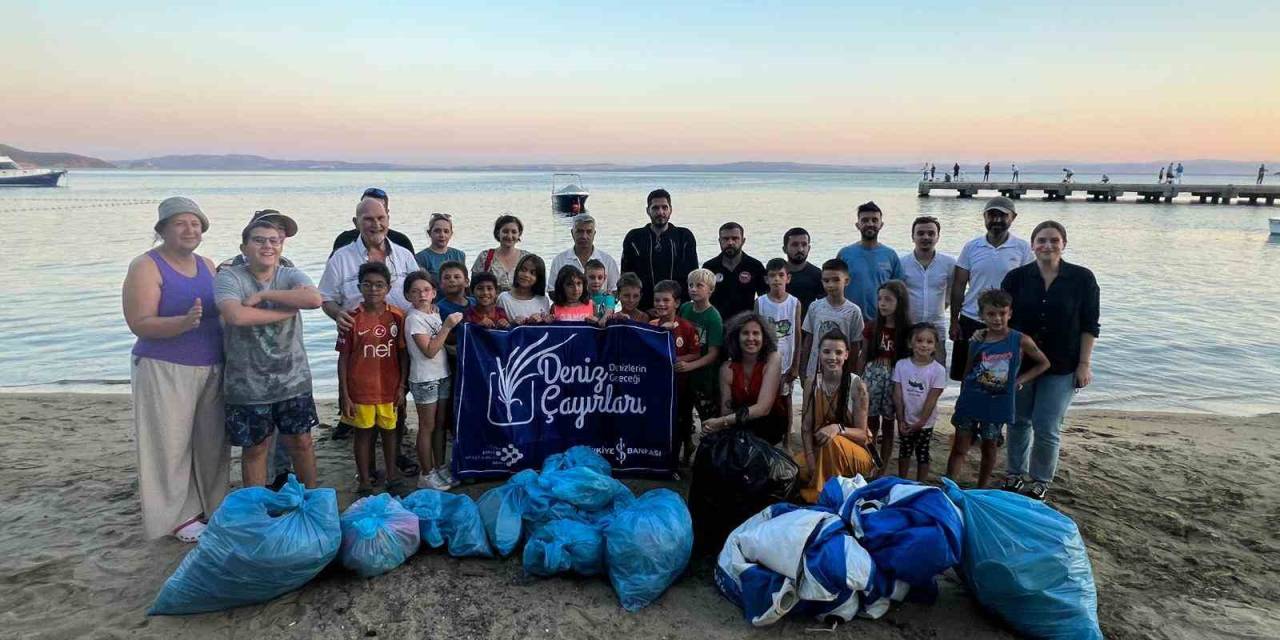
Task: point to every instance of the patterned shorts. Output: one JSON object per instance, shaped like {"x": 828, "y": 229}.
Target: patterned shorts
{"x": 250, "y": 424}
{"x": 916, "y": 442}
{"x": 879, "y": 379}
{"x": 979, "y": 429}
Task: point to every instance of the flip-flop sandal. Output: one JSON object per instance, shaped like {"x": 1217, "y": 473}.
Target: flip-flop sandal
{"x": 190, "y": 531}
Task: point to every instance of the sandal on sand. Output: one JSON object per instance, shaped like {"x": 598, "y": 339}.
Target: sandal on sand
{"x": 189, "y": 531}
{"x": 1039, "y": 490}
{"x": 1013, "y": 483}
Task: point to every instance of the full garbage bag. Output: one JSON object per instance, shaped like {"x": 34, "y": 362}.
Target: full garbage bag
{"x": 577, "y": 456}
{"x": 1027, "y": 563}
{"x": 502, "y": 511}
{"x": 259, "y": 544}
{"x": 449, "y": 518}
{"x": 563, "y": 546}
{"x": 378, "y": 535}
{"x": 735, "y": 475}
{"x": 647, "y": 546}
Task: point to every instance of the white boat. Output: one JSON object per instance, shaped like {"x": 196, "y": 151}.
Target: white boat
{"x": 1275, "y": 226}
{"x": 11, "y": 175}
{"x": 570, "y": 198}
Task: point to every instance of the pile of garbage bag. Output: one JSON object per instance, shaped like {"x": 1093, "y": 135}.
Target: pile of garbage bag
{"x": 260, "y": 544}
{"x": 735, "y": 475}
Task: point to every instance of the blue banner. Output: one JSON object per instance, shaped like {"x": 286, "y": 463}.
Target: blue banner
{"x": 525, "y": 393}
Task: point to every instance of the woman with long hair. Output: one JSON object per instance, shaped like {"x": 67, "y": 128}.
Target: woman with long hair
{"x": 749, "y": 396}
{"x": 835, "y": 438}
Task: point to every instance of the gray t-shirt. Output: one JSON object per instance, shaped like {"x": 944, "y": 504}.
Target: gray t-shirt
{"x": 264, "y": 363}
{"x": 821, "y": 319}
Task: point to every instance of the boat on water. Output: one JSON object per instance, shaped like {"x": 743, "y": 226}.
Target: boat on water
{"x": 571, "y": 198}
{"x": 11, "y": 175}
{"x": 1275, "y": 226}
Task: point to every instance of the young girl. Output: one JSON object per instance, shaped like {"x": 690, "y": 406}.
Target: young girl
{"x": 886, "y": 341}
{"x": 570, "y": 299}
{"x": 429, "y": 377}
{"x": 524, "y": 303}
{"x": 834, "y": 434}
{"x": 485, "y": 311}
{"x": 918, "y": 382}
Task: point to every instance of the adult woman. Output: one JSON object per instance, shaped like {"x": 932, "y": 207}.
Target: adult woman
{"x": 834, "y": 434}
{"x": 749, "y": 396}
{"x": 1056, "y": 303}
{"x": 440, "y": 232}
{"x": 183, "y": 455}
{"x": 501, "y": 260}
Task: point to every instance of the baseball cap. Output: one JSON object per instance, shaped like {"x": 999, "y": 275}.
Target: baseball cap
{"x": 275, "y": 217}
{"x": 175, "y": 205}
{"x": 1002, "y": 204}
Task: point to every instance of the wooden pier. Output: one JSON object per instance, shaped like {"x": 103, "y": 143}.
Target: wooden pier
{"x": 1111, "y": 191}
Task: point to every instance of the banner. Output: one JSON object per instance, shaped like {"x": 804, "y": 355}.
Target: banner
{"x": 525, "y": 393}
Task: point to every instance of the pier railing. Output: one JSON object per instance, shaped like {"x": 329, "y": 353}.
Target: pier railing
{"x": 1111, "y": 191}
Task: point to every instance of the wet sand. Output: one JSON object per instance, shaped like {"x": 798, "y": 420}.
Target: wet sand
{"x": 1181, "y": 514}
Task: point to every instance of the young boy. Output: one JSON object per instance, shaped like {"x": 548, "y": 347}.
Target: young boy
{"x": 782, "y": 310}
{"x": 485, "y": 311}
{"x": 602, "y": 301}
{"x": 827, "y": 314}
{"x": 705, "y": 381}
{"x": 453, "y": 291}
{"x": 372, "y": 369}
{"x": 666, "y": 300}
{"x": 918, "y": 382}
{"x": 630, "y": 290}
{"x": 993, "y": 375}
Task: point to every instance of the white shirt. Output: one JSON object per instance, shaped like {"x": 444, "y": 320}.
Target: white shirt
{"x": 611, "y": 271}
{"x": 782, "y": 315}
{"x": 987, "y": 266}
{"x": 517, "y": 310}
{"x": 916, "y": 383}
{"x": 422, "y": 368}
{"x": 928, "y": 286}
{"x": 340, "y": 282}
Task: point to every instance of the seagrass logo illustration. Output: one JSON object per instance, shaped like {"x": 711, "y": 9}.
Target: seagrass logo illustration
{"x": 512, "y": 384}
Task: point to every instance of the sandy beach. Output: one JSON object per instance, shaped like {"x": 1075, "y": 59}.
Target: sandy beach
{"x": 1181, "y": 514}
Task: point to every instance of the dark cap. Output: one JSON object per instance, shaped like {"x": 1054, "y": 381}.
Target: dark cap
{"x": 1001, "y": 204}
{"x": 279, "y": 219}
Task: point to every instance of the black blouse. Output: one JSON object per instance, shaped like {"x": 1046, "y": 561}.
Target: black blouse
{"x": 1055, "y": 318}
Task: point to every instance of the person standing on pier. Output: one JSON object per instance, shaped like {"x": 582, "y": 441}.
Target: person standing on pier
{"x": 1179, "y": 172}
{"x": 982, "y": 265}
{"x": 986, "y": 171}
{"x": 955, "y": 172}
{"x": 933, "y": 172}
{"x": 1015, "y": 172}
{"x": 1168, "y": 174}
{"x": 1262, "y": 171}
{"x": 1160, "y": 180}
{"x": 871, "y": 263}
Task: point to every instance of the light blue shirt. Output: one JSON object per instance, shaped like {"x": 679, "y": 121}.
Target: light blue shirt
{"x": 868, "y": 269}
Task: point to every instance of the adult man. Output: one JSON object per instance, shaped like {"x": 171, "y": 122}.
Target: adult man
{"x": 871, "y": 264}
{"x": 929, "y": 275}
{"x": 1015, "y": 172}
{"x": 986, "y": 171}
{"x": 1179, "y": 171}
{"x": 806, "y": 278}
{"x": 347, "y": 237}
{"x": 1262, "y": 171}
{"x": 982, "y": 264}
{"x": 584, "y": 250}
{"x": 955, "y": 171}
{"x": 739, "y": 277}
{"x": 659, "y": 250}
{"x": 266, "y": 379}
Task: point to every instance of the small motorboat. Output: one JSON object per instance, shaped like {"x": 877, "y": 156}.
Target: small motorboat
{"x": 571, "y": 198}
{"x": 11, "y": 175}
{"x": 1275, "y": 226}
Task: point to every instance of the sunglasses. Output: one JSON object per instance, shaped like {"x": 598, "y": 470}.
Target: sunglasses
{"x": 374, "y": 192}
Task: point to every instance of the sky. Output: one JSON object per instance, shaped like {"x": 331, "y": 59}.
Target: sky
{"x": 639, "y": 82}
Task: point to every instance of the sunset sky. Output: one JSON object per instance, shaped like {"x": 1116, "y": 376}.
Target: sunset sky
{"x": 497, "y": 81}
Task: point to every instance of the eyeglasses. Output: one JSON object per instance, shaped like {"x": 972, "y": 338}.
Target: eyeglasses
{"x": 263, "y": 241}
{"x": 374, "y": 192}
{"x": 374, "y": 285}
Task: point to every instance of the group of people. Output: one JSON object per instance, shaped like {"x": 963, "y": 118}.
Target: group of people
{"x": 929, "y": 172}
{"x": 1170, "y": 175}
{"x": 219, "y": 359}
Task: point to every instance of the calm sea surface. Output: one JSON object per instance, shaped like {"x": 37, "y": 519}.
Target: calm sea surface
{"x": 1190, "y": 293}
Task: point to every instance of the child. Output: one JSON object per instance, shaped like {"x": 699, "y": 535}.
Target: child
{"x": 833, "y": 431}
{"x": 782, "y": 310}
{"x": 570, "y": 301}
{"x": 630, "y": 290}
{"x": 371, "y": 371}
{"x": 453, "y": 297}
{"x": 602, "y": 301}
{"x": 524, "y": 303}
{"x": 828, "y": 314}
{"x": 993, "y": 375}
{"x": 886, "y": 343}
{"x": 666, "y": 299}
{"x": 429, "y": 377}
{"x": 704, "y": 385}
{"x": 918, "y": 382}
{"x": 486, "y": 312}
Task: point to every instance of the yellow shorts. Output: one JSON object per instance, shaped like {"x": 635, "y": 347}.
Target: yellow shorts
{"x": 367, "y": 415}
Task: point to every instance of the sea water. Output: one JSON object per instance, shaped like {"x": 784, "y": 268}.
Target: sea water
{"x": 1190, "y": 293}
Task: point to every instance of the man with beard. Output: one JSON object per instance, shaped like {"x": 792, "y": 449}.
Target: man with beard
{"x": 928, "y": 274}
{"x": 739, "y": 277}
{"x": 982, "y": 265}
{"x": 659, "y": 250}
{"x": 806, "y": 279}
{"x": 871, "y": 264}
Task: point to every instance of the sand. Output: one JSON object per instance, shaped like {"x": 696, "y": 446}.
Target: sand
{"x": 1180, "y": 514}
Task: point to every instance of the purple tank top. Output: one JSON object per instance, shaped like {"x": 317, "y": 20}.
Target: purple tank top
{"x": 199, "y": 347}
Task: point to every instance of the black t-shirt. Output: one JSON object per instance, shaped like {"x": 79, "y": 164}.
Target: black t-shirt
{"x": 806, "y": 286}
{"x": 347, "y": 237}
{"x": 736, "y": 289}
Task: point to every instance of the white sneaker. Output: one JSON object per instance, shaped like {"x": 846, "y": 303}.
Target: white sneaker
{"x": 446, "y": 477}
{"x": 431, "y": 481}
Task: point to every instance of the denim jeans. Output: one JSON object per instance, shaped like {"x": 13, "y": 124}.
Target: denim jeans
{"x": 1041, "y": 406}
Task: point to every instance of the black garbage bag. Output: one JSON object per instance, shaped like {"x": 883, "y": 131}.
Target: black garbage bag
{"x": 735, "y": 475}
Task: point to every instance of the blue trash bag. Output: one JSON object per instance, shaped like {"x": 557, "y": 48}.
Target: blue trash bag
{"x": 449, "y": 518}
{"x": 564, "y": 546}
{"x": 582, "y": 487}
{"x": 260, "y": 544}
{"x": 502, "y": 511}
{"x": 378, "y": 535}
{"x": 1027, "y": 563}
{"x": 577, "y": 456}
{"x": 647, "y": 547}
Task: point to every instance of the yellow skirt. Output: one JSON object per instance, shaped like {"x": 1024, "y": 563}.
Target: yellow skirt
{"x": 840, "y": 457}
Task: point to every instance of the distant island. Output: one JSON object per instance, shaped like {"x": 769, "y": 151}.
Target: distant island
{"x": 246, "y": 162}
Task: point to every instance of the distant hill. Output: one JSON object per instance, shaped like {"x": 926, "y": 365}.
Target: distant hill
{"x": 50, "y": 160}
{"x": 240, "y": 162}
